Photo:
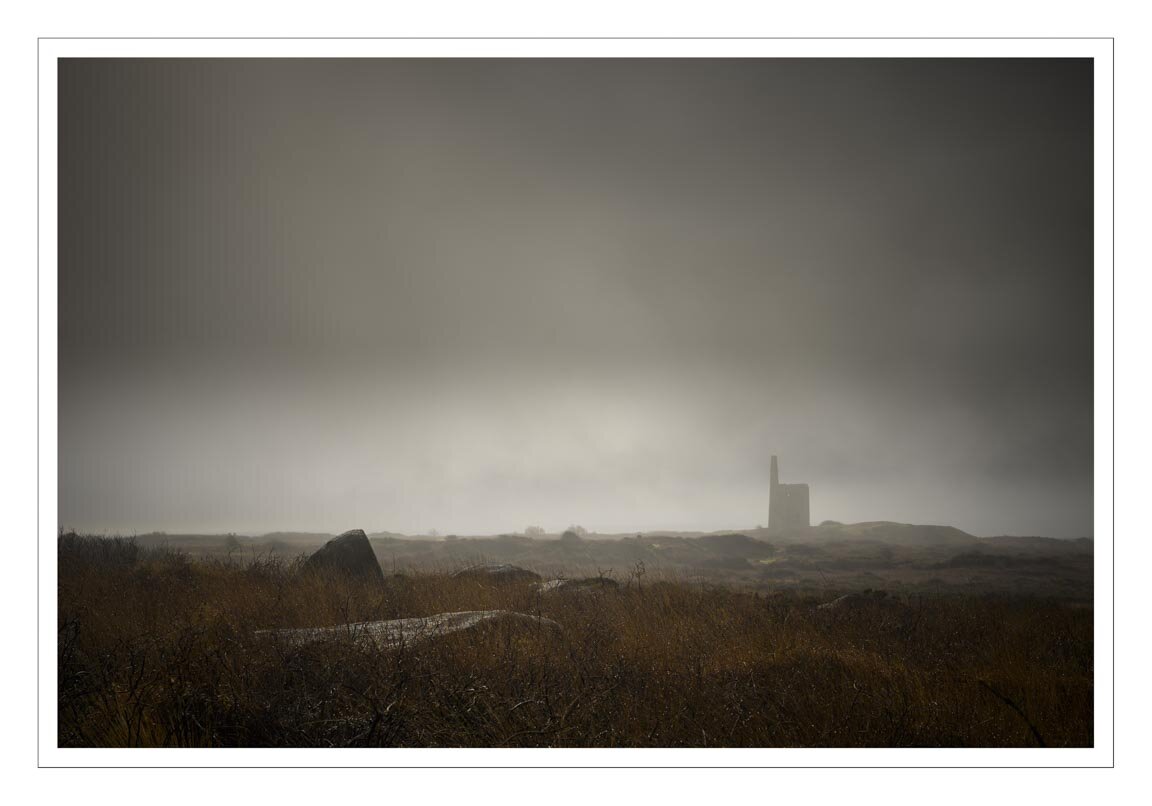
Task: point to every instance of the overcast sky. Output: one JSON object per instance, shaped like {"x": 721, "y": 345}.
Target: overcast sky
{"x": 474, "y": 295}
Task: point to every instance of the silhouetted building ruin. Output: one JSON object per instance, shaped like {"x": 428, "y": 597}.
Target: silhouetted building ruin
{"x": 787, "y": 504}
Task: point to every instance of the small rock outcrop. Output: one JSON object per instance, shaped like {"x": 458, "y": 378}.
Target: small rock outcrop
{"x": 497, "y": 572}
{"x": 854, "y": 600}
{"x": 408, "y": 631}
{"x": 585, "y": 585}
{"x": 349, "y": 554}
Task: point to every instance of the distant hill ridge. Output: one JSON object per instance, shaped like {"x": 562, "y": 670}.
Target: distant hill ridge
{"x": 892, "y": 532}
{"x": 896, "y": 533}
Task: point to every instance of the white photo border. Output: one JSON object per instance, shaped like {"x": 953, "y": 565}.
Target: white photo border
{"x": 1098, "y": 49}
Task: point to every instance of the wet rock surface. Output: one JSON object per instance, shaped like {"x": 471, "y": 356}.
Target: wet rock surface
{"x": 407, "y": 631}
{"x": 585, "y": 585}
{"x": 497, "y": 572}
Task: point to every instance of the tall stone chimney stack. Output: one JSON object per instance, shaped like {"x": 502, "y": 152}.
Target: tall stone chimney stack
{"x": 775, "y": 472}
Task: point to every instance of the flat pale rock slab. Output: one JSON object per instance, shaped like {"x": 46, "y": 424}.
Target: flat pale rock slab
{"x": 495, "y": 572}
{"x": 408, "y": 631}
{"x": 586, "y": 585}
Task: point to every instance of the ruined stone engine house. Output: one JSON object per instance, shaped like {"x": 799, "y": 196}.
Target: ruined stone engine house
{"x": 787, "y": 505}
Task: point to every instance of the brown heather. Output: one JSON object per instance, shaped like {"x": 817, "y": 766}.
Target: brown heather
{"x": 158, "y": 649}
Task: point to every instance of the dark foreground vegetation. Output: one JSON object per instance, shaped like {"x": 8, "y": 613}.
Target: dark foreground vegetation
{"x": 157, "y": 648}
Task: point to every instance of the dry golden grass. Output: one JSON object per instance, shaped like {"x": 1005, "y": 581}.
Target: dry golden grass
{"x": 156, "y": 649}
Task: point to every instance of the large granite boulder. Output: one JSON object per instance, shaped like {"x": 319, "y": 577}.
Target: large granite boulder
{"x": 349, "y": 554}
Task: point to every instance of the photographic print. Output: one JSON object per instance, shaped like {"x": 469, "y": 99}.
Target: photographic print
{"x": 610, "y": 403}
